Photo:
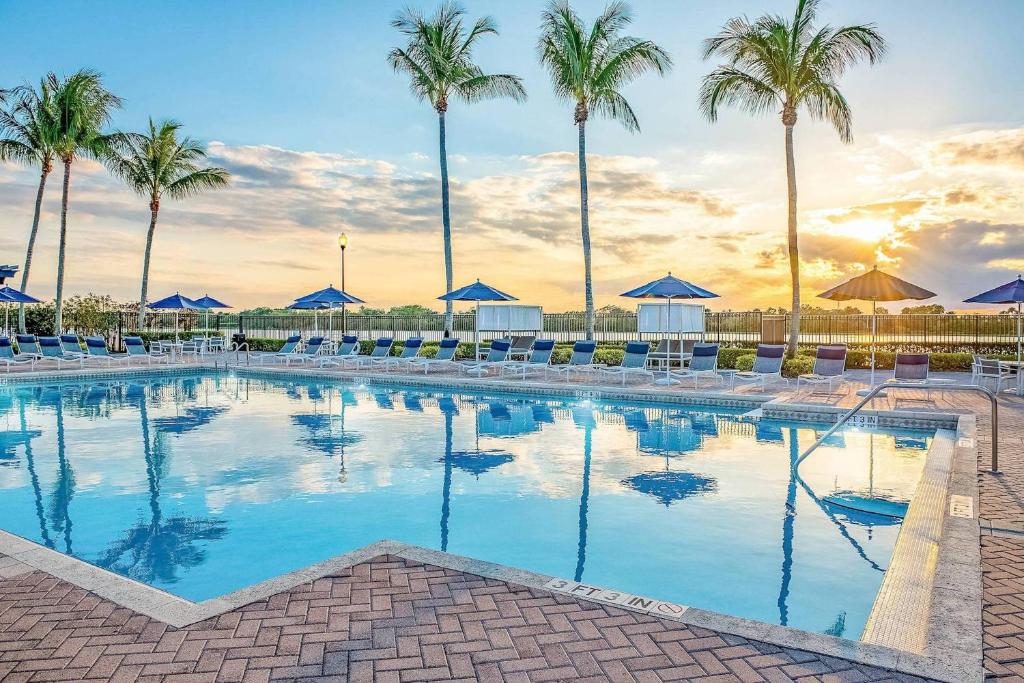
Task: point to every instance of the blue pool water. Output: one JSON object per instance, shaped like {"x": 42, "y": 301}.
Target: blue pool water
{"x": 204, "y": 484}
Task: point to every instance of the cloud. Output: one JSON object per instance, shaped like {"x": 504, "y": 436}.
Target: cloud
{"x": 985, "y": 148}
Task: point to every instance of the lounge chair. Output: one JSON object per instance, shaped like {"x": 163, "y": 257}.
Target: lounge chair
{"x": 10, "y": 359}
{"x": 668, "y": 350}
{"x": 539, "y": 359}
{"x": 581, "y": 360}
{"x": 445, "y": 357}
{"x": 290, "y": 348}
{"x": 410, "y": 351}
{"x": 309, "y": 353}
{"x": 71, "y": 345}
{"x": 496, "y": 356}
{"x": 381, "y": 349}
{"x": 349, "y": 346}
{"x": 703, "y": 363}
{"x": 28, "y": 344}
{"x": 767, "y": 367}
{"x": 829, "y": 368}
{"x": 53, "y": 352}
{"x": 634, "y": 363}
{"x": 522, "y": 346}
{"x": 135, "y": 349}
{"x": 991, "y": 370}
{"x": 97, "y": 352}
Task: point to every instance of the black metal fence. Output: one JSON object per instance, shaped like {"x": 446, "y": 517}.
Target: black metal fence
{"x": 945, "y": 331}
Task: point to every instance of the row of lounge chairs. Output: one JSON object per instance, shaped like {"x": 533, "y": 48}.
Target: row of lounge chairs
{"x": 67, "y": 350}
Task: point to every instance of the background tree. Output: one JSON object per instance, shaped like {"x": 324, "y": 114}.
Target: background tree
{"x": 158, "y": 163}
{"x": 438, "y": 59}
{"x": 774, "y": 65}
{"x": 82, "y": 107}
{"x": 28, "y": 133}
{"x": 588, "y": 68}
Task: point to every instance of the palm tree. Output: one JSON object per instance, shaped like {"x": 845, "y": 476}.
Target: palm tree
{"x": 82, "y": 106}
{"x": 775, "y": 65}
{"x": 27, "y": 136}
{"x": 157, "y": 163}
{"x": 589, "y": 68}
{"x": 438, "y": 59}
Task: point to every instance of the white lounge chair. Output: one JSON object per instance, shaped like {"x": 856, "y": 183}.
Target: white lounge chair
{"x": 445, "y": 357}
{"x": 349, "y": 346}
{"x": 72, "y": 346}
{"x": 767, "y": 367}
{"x": 538, "y": 361}
{"x": 634, "y": 363}
{"x": 829, "y": 368}
{"x": 410, "y": 351}
{"x": 496, "y": 356}
{"x": 28, "y": 344}
{"x": 581, "y": 360}
{"x": 53, "y": 353}
{"x": 703, "y": 363}
{"x": 10, "y": 359}
{"x": 136, "y": 351}
{"x": 310, "y": 353}
{"x": 290, "y": 347}
{"x": 381, "y": 349}
{"x": 97, "y": 352}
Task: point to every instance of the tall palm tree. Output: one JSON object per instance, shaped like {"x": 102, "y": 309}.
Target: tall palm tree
{"x": 438, "y": 59}
{"x": 776, "y": 65}
{"x": 157, "y": 163}
{"x": 82, "y": 107}
{"x": 589, "y": 67}
{"x": 28, "y": 132}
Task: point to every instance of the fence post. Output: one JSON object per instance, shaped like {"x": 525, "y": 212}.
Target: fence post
{"x": 241, "y": 327}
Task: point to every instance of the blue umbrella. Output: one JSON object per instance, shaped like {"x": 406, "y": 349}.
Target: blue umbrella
{"x": 669, "y": 288}
{"x": 1010, "y": 293}
{"x": 207, "y": 302}
{"x": 668, "y": 487}
{"x": 10, "y": 295}
{"x": 477, "y": 292}
{"x": 176, "y": 302}
{"x": 331, "y": 296}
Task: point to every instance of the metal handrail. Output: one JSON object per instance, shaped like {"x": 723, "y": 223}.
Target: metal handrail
{"x": 911, "y": 385}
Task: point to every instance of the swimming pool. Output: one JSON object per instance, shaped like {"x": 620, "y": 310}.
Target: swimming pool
{"x": 203, "y": 484}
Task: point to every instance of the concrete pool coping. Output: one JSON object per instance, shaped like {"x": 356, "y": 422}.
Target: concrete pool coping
{"x": 926, "y": 619}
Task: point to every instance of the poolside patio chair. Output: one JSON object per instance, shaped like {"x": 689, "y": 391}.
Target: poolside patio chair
{"x": 634, "y": 363}
{"x": 309, "y": 353}
{"x": 53, "y": 352}
{"x": 28, "y": 344}
{"x": 10, "y": 359}
{"x": 410, "y": 351}
{"x": 703, "y": 363}
{"x": 97, "y": 352}
{"x": 290, "y": 347}
{"x": 496, "y": 356}
{"x": 992, "y": 371}
{"x": 581, "y": 360}
{"x": 135, "y": 349}
{"x": 71, "y": 345}
{"x": 445, "y": 357}
{"x": 349, "y": 346}
{"x": 767, "y": 367}
{"x": 381, "y": 349}
{"x": 538, "y": 361}
{"x": 829, "y": 368}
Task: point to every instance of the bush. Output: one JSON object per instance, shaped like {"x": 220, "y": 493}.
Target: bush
{"x": 727, "y": 357}
{"x": 794, "y": 367}
{"x": 744, "y": 363}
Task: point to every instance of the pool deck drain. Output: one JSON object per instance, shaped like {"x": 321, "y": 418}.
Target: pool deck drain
{"x": 1002, "y": 557}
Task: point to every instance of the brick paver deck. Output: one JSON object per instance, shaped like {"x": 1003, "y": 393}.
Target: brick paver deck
{"x": 390, "y": 619}
{"x": 393, "y": 619}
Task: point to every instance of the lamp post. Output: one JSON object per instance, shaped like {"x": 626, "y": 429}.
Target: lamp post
{"x": 342, "y": 243}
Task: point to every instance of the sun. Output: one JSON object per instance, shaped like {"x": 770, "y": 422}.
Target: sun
{"x": 866, "y": 229}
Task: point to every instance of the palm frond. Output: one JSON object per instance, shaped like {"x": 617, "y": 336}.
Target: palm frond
{"x": 728, "y": 85}
{"x": 198, "y": 181}
{"x": 491, "y": 86}
{"x": 612, "y": 105}
{"x": 824, "y": 102}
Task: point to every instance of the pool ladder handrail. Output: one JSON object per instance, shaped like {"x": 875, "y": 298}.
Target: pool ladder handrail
{"x": 994, "y": 468}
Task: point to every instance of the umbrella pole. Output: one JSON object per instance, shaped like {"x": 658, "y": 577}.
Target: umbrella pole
{"x": 476, "y": 332}
{"x": 667, "y": 379}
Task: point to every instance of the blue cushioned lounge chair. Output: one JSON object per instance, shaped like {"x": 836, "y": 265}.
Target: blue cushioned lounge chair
{"x": 829, "y": 368}
{"x": 634, "y": 363}
{"x": 445, "y": 357}
{"x": 97, "y": 352}
{"x": 381, "y": 349}
{"x": 538, "y": 360}
{"x": 703, "y": 363}
{"x": 10, "y": 359}
{"x": 349, "y": 346}
{"x": 581, "y": 360}
{"x": 496, "y": 356}
{"x": 136, "y": 351}
{"x": 410, "y": 351}
{"x": 53, "y": 353}
{"x": 309, "y": 353}
{"x": 290, "y": 347}
{"x": 767, "y": 367}
{"x": 28, "y": 343}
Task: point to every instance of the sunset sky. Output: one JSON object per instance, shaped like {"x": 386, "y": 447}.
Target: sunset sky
{"x": 298, "y": 102}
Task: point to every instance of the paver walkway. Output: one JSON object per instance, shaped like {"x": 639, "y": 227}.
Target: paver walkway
{"x": 386, "y": 620}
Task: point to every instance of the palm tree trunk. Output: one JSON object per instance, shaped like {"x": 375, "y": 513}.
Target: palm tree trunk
{"x": 446, "y": 223}
{"x": 32, "y": 241}
{"x": 588, "y": 285}
{"x": 59, "y": 298}
{"x": 145, "y": 266}
{"x": 794, "y": 248}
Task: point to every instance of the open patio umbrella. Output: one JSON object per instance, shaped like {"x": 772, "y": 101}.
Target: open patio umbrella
{"x": 1010, "y": 293}
{"x": 875, "y": 286}
{"x": 176, "y": 302}
{"x": 477, "y": 292}
{"x": 333, "y": 297}
{"x": 670, "y": 288}
{"x": 207, "y": 302}
{"x": 10, "y": 295}
{"x": 668, "y": 487}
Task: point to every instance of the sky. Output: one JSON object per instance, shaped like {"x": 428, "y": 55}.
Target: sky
{"x": 298, "y": 102}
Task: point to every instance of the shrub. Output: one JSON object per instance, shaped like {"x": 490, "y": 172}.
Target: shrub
{"x": 744, "y": 363}
{"x": 727, "y": 357}
{"x": 794, "y": 367}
